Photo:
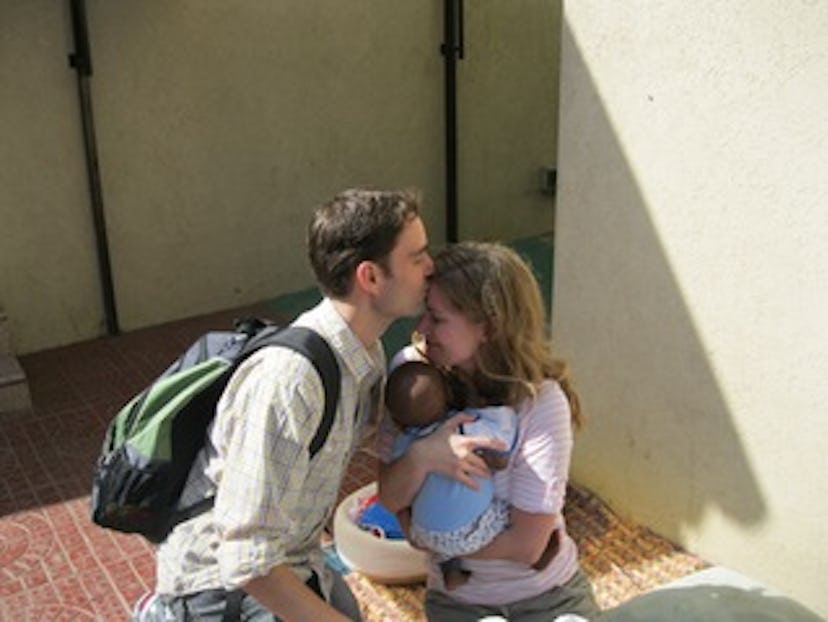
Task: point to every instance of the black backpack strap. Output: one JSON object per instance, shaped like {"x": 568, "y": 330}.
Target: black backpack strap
{"x": 233, "y": 606}
{"x": 313, "y": 346}
{"x": 234, "y": 599}
{"x": 309, "y": 343}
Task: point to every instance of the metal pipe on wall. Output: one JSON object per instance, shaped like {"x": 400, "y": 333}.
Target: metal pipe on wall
{"x": 81, "y": 61}
{"x": 451, "y": 49}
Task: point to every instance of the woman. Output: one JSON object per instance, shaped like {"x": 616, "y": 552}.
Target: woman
{"x": 484, "y": 322}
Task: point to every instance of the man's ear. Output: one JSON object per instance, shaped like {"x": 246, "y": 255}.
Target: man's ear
{"x": 365, "y": 276}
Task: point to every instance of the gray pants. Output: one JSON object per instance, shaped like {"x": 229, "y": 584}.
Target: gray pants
{"x": 209, "y": 606}
{"x": 574, "y": 597}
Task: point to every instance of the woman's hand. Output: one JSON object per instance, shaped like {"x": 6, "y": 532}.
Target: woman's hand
{"x": 443, "y": 451}
{"x": 453, "y": 454}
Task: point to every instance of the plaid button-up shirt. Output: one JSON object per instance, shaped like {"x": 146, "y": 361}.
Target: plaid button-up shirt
{"x": 272, "y": 500}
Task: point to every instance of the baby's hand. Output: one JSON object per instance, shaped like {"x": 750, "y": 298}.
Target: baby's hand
{"x": 495, "y": 460}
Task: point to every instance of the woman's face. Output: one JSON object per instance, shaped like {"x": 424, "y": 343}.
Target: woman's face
{"x": 451, "y": 338}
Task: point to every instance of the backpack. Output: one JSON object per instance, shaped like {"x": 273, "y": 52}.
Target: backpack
{"x": 153, "y": 441}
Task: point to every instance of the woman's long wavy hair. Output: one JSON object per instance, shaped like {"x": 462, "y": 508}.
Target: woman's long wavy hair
{"x": 490, "y": 283}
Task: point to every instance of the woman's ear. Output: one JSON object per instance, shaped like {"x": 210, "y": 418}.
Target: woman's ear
{"x": 487, "y": 332}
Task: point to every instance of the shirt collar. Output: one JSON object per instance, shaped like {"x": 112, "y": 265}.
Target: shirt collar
{"x": 361, "y": 361}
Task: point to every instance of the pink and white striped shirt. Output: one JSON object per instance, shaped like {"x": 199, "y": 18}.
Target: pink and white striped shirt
{"x": 534, "y": 481}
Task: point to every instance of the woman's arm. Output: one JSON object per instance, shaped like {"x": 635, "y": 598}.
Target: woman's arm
{"x": 524, "y": 541}
{"x": 538, "y": 477}
{"x": 444, "y": 451}
{"x": 400, "y": 480}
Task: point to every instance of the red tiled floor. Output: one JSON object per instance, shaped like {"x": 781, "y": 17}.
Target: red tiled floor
{"x": 54, "y": 563}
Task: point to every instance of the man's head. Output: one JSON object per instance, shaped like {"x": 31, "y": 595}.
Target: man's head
{"x": 416, "y": 394}
{"x": 374, "y": 236}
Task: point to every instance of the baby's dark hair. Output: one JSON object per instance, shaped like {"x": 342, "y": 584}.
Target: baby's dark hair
{"x": 416, "y": 394}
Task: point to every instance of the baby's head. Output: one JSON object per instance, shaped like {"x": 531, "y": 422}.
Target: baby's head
{"x": 416, "y": 394}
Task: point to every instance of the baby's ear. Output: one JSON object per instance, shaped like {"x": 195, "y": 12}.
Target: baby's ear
{"x": 403, "y": 420}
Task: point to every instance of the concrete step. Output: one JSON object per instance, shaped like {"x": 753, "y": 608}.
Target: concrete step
{"x": 14, "y": 388}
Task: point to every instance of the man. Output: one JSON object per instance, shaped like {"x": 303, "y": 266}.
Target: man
{"x": 260, "y": 542}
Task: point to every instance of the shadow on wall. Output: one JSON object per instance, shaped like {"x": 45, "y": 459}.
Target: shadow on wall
{"x": 665, "y": 458}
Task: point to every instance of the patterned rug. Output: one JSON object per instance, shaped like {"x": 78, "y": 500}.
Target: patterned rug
{"x": 621, "y": 558}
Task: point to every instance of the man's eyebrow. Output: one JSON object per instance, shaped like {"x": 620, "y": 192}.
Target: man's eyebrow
{"x": 422, "y": 250}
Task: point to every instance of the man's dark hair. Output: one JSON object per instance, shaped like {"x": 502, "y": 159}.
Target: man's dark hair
{"x": 356, "y": 225}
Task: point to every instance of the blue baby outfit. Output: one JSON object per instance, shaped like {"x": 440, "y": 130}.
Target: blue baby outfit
{"x": 447, "y": 516}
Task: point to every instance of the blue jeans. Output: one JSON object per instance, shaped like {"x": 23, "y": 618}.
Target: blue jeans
{"x": 209, "y": 606}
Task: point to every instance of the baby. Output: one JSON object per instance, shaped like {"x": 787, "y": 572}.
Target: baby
{"x": 448, "y": 517}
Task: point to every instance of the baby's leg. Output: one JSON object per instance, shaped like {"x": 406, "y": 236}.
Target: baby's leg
{"x": 454, "y": 575}
{"x": 468, "y": 538}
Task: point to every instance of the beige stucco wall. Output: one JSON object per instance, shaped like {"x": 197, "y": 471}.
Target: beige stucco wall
{"x": 220, "y": 124}
{"x": 47, "y": 258}
{"x": 691, "y": 272}
{"x": 507, "y": 107}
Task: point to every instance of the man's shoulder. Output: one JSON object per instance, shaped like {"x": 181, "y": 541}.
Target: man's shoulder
{"x": 325, "y": 321}
{"x": 277, "y": 354}
{"x": 284, "y": 369}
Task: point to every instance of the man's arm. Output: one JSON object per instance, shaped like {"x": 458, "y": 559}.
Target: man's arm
{"x": 265, "y": 446}
{"x": 281, "y": 591}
